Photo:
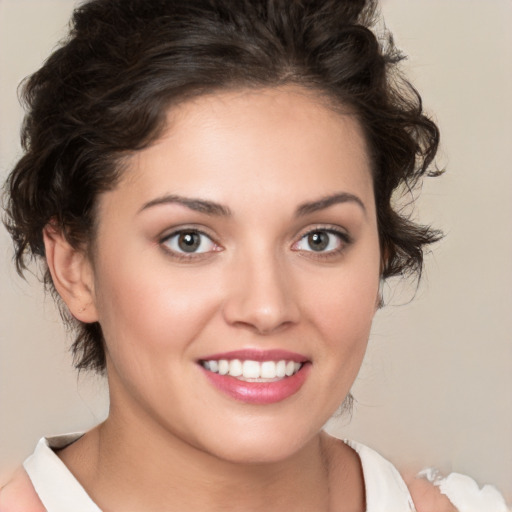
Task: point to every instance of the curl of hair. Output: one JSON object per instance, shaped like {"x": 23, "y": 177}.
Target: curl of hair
{"x": 105, "y": 92}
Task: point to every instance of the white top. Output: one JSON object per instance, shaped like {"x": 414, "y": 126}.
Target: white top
{"x": 60, "y": 491}
{"x": 57, "y": 488}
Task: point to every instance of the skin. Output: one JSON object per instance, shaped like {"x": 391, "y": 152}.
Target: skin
{"x": 172, "y": 441}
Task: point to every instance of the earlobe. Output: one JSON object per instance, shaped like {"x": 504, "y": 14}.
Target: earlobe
{"x": 71, "y": 273}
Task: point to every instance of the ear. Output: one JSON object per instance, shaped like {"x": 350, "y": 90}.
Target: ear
{"x": 72, "y": 274}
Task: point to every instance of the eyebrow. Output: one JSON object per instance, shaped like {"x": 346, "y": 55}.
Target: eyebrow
{"x": 325, "y": 202}
{"x": 198, "y": 205}
{"x": 213, "y": 208}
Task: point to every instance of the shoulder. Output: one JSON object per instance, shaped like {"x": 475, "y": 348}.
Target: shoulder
{"x": 431, "y": 492}
{"x": 427, "y": 497}
{"x": 19, "y": 495}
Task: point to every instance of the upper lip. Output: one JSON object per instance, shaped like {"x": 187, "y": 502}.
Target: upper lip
{"x": 257, "y": 355}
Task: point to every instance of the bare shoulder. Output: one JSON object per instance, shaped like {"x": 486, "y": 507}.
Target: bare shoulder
{"x": 426, "y": 496}
{"x": 18, "y": 495}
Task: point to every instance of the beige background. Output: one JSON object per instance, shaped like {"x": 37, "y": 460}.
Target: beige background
{"x": 436, "y": 386}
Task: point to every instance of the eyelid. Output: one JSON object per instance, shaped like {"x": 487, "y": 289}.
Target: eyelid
{"x": 345, "y": 240}
{"x": 182, "y": 255}
{"x": 330, "y": 228}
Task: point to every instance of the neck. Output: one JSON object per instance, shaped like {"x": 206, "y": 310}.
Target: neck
{"x": 128, "y": 464}
{"x": 167, "y": 471}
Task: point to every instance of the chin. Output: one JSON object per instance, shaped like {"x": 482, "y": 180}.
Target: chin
{"x": 261, "y": 451}
{"x": 260, "y": 442}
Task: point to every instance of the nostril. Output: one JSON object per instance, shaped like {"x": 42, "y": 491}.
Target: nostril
{"x": 263, "y": 328}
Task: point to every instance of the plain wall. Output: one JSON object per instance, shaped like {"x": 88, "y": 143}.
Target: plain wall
{"x": 436, "y": 386}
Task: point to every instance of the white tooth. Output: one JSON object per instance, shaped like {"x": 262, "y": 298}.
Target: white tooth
{"x": 268, "y": 370}
{"x": 281, "y": 368}
{"x": 206, "y": 365}
{"x": 290, "y": 368}
{"x": 251, "y": 370}
{"x": 223, "y": 367}
{"x": 213, "y": 366}
{"x": 297, "y": 367}
{"x": 235, "y": 368}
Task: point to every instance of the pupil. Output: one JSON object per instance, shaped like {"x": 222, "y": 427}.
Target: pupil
{"x": 189, "y": 242}
{"x": 318, "y": 241}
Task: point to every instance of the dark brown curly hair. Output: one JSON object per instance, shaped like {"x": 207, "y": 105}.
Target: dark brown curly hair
{"x": 104, "y": 93}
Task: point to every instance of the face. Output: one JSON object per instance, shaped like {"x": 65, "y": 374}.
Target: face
{"x": 236, "y": 273}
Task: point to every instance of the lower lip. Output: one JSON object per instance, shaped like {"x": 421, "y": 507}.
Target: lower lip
{"x": 260, "y": 393}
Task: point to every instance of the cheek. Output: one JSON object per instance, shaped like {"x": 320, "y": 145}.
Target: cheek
{"x": 342, "y": 308}
{"x": 149, "y": 310}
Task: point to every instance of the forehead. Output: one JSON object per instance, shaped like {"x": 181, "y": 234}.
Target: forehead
{"x": 233, "y": 145}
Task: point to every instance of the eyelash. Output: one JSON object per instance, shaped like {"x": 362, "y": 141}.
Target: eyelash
{"x": 184, "y": 256}
{"x": 343, "y": 237}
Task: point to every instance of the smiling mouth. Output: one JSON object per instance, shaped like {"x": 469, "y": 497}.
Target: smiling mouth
{"x": 253, "y": 371}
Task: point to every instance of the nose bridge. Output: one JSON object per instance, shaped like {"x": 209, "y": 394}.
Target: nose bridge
{"x": 261, "y": 295}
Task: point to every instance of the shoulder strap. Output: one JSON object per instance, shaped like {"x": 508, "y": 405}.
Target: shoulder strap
{"x": 385, "y": 489}
{"x": 55, "y": 485}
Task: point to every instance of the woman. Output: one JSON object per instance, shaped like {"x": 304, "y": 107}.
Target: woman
{"x": 209, "y": 185}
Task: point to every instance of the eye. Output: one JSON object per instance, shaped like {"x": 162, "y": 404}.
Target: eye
{"x": 189, "y": 242}
{"x": 322, "y": 241}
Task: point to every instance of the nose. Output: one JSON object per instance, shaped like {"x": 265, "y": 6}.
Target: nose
{"x": 262, "y": 296}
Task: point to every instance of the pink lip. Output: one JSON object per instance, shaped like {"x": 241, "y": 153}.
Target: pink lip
{"x": 257, "y": 355}
{"x": 260, "y": 393}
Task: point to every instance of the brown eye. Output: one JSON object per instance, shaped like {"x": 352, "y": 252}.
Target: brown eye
{"x": 318, "y": 241}
{"x": 189, "y": 242}
{"x": 326, "y": 241}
